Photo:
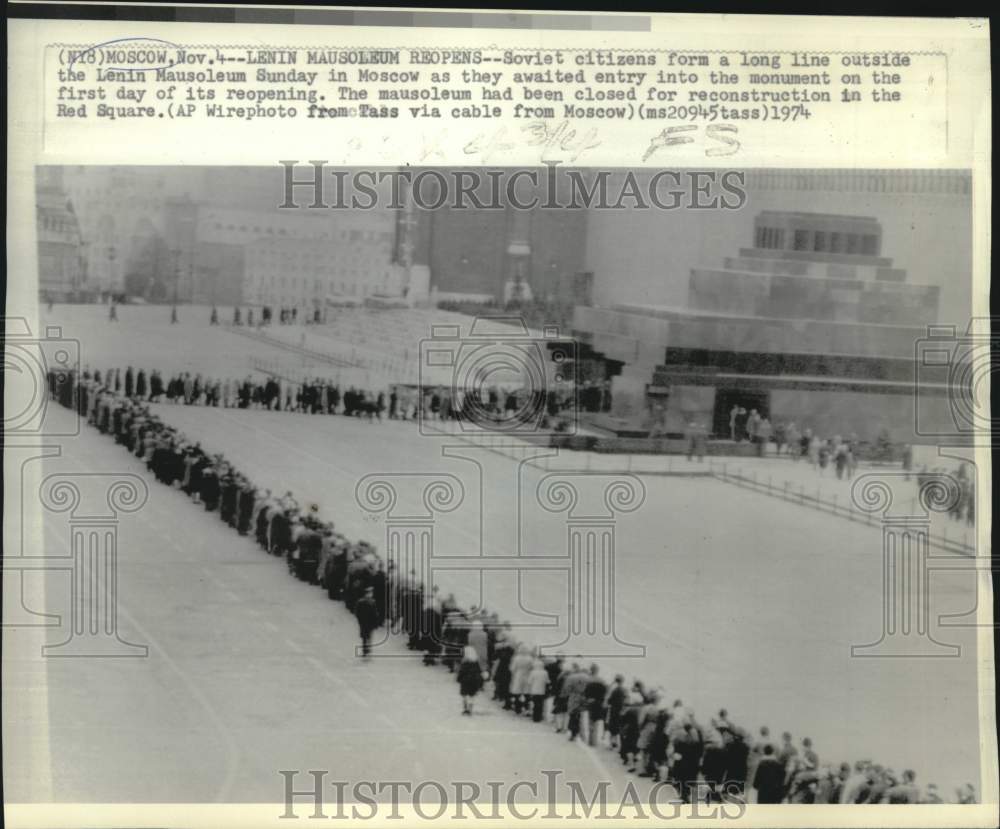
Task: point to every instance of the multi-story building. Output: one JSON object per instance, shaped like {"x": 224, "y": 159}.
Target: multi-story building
{"x": 295, "y": 258}
{"x": 61, "y": 263}
{"x": 308, "y": 273}
{"x": 499, "y": 253}
{"x": 122, "y": 221}
{"x": 191, "y": 234}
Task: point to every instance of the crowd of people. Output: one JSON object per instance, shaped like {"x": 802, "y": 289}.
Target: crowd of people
{"x": 961, "y": 498}
{"x": 654, "y": 737}
{"x": 313, "y": 396}
{"x": 837, "y": 452}
{"x": 317, "y": 395}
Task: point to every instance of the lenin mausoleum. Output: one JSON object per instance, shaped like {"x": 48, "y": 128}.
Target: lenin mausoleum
{"x": 810, "y": 322}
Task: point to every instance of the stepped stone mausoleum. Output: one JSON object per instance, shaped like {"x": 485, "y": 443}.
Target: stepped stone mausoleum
{"x": 812, "y": 324}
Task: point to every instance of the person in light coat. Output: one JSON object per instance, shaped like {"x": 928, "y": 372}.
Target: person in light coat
{"x": 479, "y": 640}
{"x": 520, "y": 670}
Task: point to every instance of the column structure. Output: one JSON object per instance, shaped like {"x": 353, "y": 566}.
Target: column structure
{"x": 590, "y": 544}
{"x": 907, "y": 629}
{"x": 93, "y": 531}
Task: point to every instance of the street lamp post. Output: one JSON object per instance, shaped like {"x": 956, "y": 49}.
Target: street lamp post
{"x": 80, "y": 278}
{"x": 111, "y": 254}
{"x": 177, "y": 277}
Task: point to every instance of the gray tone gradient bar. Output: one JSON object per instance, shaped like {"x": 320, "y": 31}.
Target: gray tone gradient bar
{"x": 435, "y": 20}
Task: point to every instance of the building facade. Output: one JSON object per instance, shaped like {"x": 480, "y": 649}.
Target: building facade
{"x": 810, "y": 324}
{"x": 645, "y": 256}
{"x": 498, "y": 253}
{"x": 61, "y": 261}
{"x": 309, "y": 273}
{"x": 217, "y": 236}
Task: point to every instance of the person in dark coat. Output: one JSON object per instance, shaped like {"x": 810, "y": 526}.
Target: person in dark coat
{"x": 713, "y": 764}
{"x": 454, "y": 633}
{"x": 336, "y": 572}
{"x": 616, "y": 702}
{"x": 737, "y": 762}
{"x": 140, "y": 384}
{"x": 554, "y": 667}
{"x": 245, "y": 508}
{"x": 227, "y": 510}
{"x": 210, "y": 491}
{"x": 470, "y": 678}
{"x": 195, "y": 477}
{"x": 504, "y": 652}
{"x": 596, "y": 691}
{"x": 367, "y": 616}
{"x": 628, "y": 743}
{"x": 381, "y": 588}
{"x": 656, "y": 750}
{"x": 687, "y": 758}
{"x": 155, "y": 386}
{"x": 769, "y": 779}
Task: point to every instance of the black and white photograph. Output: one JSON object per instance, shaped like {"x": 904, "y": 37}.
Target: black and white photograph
{"x": 498, "y": 492}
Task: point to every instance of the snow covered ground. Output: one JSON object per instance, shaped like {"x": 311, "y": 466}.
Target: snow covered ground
{"x": 739, "y": 600}
{"x": 742, "y": 601}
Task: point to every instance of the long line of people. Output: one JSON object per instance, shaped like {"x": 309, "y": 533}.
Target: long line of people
{"x": 318, "y": 395}
{"x": 653, "y": 737}
{"x": 314, "y": 396}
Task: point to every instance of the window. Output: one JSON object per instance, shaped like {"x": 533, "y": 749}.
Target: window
{"x": 819, "y": 241}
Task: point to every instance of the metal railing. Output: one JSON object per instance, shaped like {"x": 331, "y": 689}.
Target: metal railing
{"x": 961, "y": 543}
{"x": 798, "y": 494}
{"x": 518, "y": 448}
